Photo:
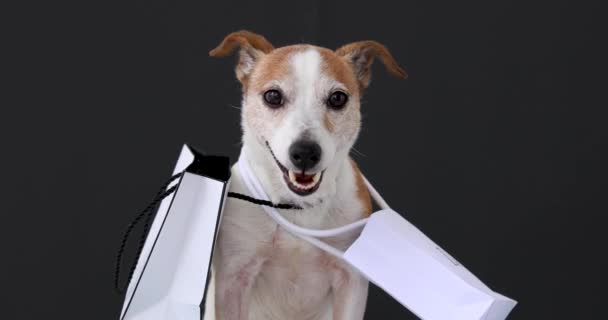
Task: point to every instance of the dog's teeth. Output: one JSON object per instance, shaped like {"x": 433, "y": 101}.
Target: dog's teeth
{"x": 315, "y": 180}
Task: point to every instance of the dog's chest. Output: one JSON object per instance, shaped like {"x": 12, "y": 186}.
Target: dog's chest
{"x": 295, "y": 274}
{"x": 292, "y": 259}
{"x": 294, "y": 277}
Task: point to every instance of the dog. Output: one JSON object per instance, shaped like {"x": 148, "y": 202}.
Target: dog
{"x": 300, "y": 118}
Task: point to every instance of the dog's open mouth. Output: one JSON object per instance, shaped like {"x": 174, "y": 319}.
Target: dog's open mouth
{"x": 299, "y": 183}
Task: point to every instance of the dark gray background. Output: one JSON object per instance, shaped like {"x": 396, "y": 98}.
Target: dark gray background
{"x": 492, "y": 147}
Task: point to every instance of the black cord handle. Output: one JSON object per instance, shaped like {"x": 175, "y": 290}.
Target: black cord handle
{"x": 148, "y": 213}
{"x": 247, "y": 198}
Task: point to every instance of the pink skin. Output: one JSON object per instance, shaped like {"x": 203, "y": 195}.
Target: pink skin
{"x": 275, "y": 236}
{"x": 235, "y": 288}
{"x": 350, "y": 294}
{"x": 349, "y": 290}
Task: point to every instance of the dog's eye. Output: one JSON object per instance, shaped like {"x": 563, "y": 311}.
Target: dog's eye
{"x": 273, "y": 98}
{"x": 337, "y": 100}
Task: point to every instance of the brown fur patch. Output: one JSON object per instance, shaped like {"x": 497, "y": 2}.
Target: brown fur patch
{"x": 241, "y": 38}
{"x": 339, "y": 69}
{"x": 274, "y": 65}
{"x": 361, "y": 55}
{"x": 362, "y": 192}
{"x": 327, "y": 122}
{"x": 252, "y": 47}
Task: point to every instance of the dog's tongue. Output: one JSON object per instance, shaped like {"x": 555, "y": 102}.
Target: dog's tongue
{"x": 304, "y": 178}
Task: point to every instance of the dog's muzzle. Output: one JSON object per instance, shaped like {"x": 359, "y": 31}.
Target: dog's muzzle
{"x": 307, "y": 156}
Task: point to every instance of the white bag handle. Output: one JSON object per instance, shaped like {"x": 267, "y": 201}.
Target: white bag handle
{"x": 254, "y": 186}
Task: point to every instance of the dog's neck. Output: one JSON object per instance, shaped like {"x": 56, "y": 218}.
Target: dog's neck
{"x": 269, "y": 175}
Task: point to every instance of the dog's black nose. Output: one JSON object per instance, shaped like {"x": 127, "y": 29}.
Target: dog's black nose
{"x": 305, "y": 154}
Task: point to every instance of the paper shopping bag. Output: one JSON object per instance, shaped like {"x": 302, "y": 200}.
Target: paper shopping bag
{"x": 170, "y": 279}
{"x": 397, "y": 257}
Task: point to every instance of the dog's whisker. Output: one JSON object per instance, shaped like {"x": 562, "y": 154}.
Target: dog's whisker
{"x": 358, "y": 152}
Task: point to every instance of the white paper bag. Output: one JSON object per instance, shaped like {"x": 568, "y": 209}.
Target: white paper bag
{"x": 171, "y": 275}
{"x": 397, "y": 257}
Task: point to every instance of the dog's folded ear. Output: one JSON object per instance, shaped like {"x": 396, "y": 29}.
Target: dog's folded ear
{"x": 252, "y": 47}
{"x": 361, "y": 55}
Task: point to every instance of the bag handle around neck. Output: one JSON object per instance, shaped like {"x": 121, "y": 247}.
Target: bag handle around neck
{"x": 255, "y": 188}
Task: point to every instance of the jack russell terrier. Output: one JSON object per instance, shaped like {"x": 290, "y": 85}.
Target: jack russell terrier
{"x": 300, "y": 118}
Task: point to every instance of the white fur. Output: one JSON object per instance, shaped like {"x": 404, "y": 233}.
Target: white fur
{"x": 305, "y": 116}
{"x": 260, "y": 270}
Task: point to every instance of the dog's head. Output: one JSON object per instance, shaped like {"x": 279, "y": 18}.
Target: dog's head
{"x": 301, "y": 105}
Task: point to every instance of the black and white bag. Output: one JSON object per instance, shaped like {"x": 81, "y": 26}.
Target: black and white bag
{"x": 172, "y": 272}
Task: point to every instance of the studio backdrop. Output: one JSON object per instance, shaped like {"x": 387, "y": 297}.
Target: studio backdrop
{"x": 491, "y": 146}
